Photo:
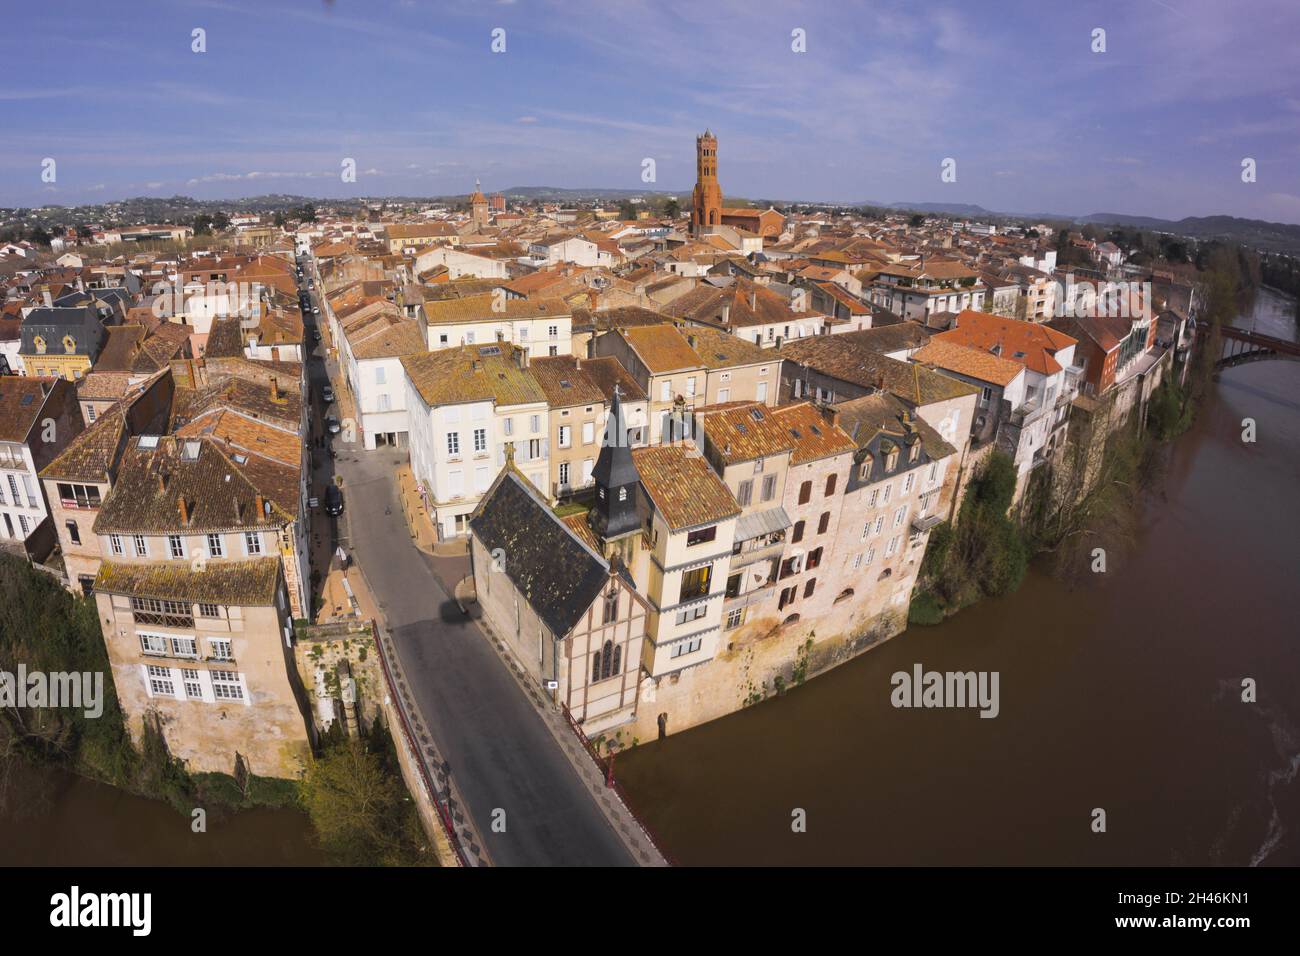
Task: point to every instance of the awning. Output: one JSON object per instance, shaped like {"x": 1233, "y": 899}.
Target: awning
{"x": 762, "y": 522}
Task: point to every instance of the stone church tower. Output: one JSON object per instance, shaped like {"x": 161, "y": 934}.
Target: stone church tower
{"x": 478, "y": 205}
{"x": 706, "y": 200}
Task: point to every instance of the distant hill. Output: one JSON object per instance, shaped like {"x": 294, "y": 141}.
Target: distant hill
{"x": 1256, "y": 233}
{"x": 947, "y": 208}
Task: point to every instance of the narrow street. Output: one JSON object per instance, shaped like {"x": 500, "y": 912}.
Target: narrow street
{"x": 502, "y": 757}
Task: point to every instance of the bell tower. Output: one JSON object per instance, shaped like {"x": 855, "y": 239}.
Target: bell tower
{"x": 614, "y": 515}
{"x": 706, "y": 200}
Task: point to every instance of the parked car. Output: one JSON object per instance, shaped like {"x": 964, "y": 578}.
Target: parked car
{"x": 333, "y": 501}
{"x": 315, "y": 310}
{"x": 332, "y": 425}
{"x": 327, "y": 393}
{"x": 315, "y": 334}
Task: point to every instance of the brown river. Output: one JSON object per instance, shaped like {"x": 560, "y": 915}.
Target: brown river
{"x": 1122, "y": 694}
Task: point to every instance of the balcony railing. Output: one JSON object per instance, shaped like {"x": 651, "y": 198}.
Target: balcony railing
{"x": 159, "y": 619}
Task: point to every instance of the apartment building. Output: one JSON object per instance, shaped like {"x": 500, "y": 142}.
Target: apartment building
{"x": 374, "y": 338}
{"x": 39, "y": 416}
{"x": 465, "y": 407}
{"x": 542, "y": 326}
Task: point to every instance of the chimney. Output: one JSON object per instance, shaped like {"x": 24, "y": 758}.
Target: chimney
{"x": 726, "y": 313}
{"x": 162, "y": 480}
{"x": 261, "y": 506}
{"x": 690, "y": 340}
{"x": 521, "y": 358}
{"x": 184, "y": 508}
{"x": 275, "y": 389}
{"x": 49, "y": 301}
{"x": 753, "y": 301}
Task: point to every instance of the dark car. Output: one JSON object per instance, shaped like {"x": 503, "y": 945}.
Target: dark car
{"x": 332, "y": 425}
{"x": 315, "y": 334}
{"x": 327, "y": 393}
{"x": 333, "y": 501}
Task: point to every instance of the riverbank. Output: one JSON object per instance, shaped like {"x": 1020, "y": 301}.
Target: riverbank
{"x": 1121, "y": 692}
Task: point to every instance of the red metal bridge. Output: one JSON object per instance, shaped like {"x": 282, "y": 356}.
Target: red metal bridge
{"x": 1239, "y": 346}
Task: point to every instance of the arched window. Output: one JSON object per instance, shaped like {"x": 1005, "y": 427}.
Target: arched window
{"x": 606, "y": 660}
{"x": 617, "y": 667}
{"x": 595, "y": 667}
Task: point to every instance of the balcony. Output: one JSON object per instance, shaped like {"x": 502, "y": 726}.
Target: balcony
{"x": 163, "y": 619}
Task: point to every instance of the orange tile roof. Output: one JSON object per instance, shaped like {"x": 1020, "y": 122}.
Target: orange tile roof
{"x": 1031, "y": 344}
{"x": 683, "y": 487}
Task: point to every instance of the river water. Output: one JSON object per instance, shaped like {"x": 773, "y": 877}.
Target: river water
{"x": 1123, "y": 693}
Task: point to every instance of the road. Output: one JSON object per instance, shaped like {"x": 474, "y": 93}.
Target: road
{"x": 502, "y": 757}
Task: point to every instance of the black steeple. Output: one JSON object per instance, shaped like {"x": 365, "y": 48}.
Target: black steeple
{"x": 616, "y": 479}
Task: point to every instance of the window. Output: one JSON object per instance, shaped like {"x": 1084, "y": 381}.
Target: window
{"x": 724, "y": 395}
{"x": 880, "y": 523}
{"x": 891, "y": 459}
{"x": 884, "y": 498}
{"x": 216, "y": 547}
{"x": 193, "y": 689}
{"x": 893, "y": 545}
{"x": 696, "y": 583}
{"x": 830, "y": 484}
{"x": 70, "y": 496}
{"x": 73, "y": 534}
{"x": 823, "y": 522}
{"x": 153, "y": 644}
{"x": 914, "y": 452}
{"x": 805, "y": 492}
{"x": 690, "y": 387}
{"x": 552, "y": 331}
{"x": 797, "y": 535}
{"x": 898, "y": 516}
{"x": 589, "y": 433}
{"x": 453, "y": 443}
{"x": 115, "y": 543}
{"x": 606, "y": 662}
{"x": 735, "y": 617}
{"x": 745, "y": 493}
{"x": 209, "y": 610}
{"x": 934, "y": 473}
{"x": 185, "y": 647}
{"x": 480, "y": 440}
{"x": 665, "y": 391}
{"x": 609, "y": 613}
{"x": 252, "y": 543}
{"x": 909, "y": 481}
{"x": 90, "y": 413}
{"x": 871, "y": 555}
{"x": 141, "y": 548}
{"x": 857, "y": 561}
{"x": 814, "y": 559}
{"x": 769, "y": 487}
{"x": 535, "y": 423}
{"x": 219, "y": 648}
{"x": 175, "y": 546}
{"x": 564, "y": 474}
{"x": 510, "y": 426}
{"x": 160, "y": 681}
{"x": 682, "y": 648}
{"x": 566, "y": 436}
{"x": 986, "y": 396}
{"x": 864, "y": 469}
{"x": 226, "y": 685}
{"x": 692, "y": 613}
{"x": 701, "y": 535}
{"x": 761, "y": 395}
{"x": 733, "y": 585}
{"x": 381, "y": 376}
{"x": 809, "y": 588}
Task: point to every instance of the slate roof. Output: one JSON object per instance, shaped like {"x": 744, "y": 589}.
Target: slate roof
{"x": 683, "y": 487}
{"x": 241, "y": 583}
{"x": 557, "y": 573}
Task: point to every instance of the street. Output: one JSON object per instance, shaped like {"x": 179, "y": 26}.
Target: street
{"x": 502, "y": 757}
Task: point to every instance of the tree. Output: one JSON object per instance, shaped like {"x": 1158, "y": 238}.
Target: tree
{"x": 917, "y": 220}
{"x": 672, "y": 209}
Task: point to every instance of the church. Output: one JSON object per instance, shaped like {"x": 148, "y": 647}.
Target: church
{"x": 707, "y": 211}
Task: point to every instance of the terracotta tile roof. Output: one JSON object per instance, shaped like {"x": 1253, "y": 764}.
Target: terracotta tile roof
{"x": 92, "y": 454}
{"x": 607, "y": 372}
{"x": 839, "y": 356}
{"x": 564, "y": 381}
{"x": 1031, "y": 344}
{"x": 662, "y": 348}
{"x": 472, "y": 373}
{"x": 744, "y": 433}
{"x": 683, "y": 487}
{"x": 21, "y": 401}
{"x": 974, "y": 363}
{"x": 718, "y": 349}
{"x": 217, "y": 490}
{"x": 240, "y": 583}
{"x": 812, "y": 436}
{"x": 479, "y": 308}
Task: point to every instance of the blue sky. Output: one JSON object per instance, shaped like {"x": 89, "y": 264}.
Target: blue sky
{"x": 1157, "y": 125}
